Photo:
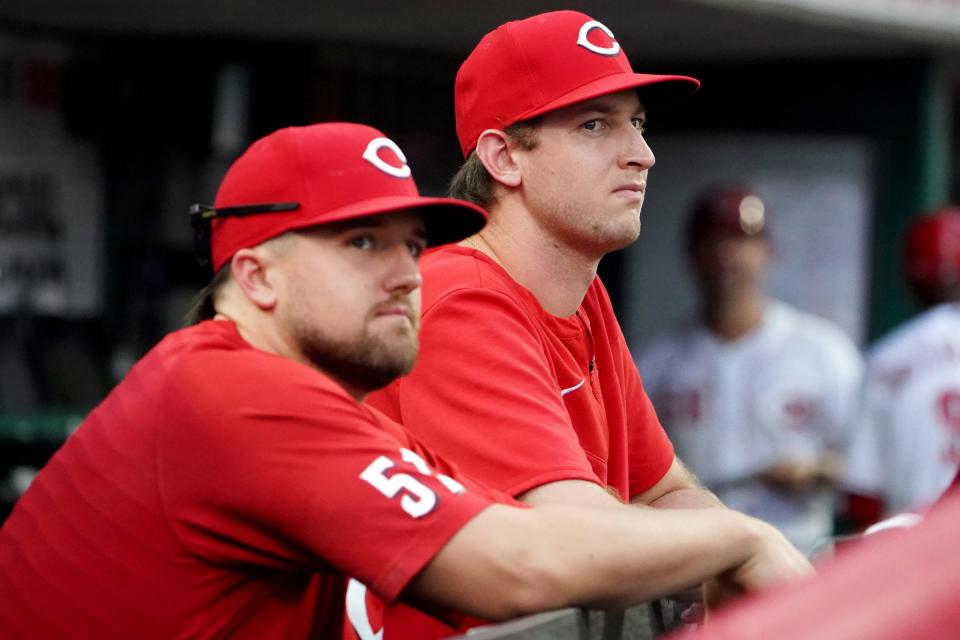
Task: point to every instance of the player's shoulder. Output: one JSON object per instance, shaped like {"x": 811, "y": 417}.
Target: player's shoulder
{"x": 390, "y": 426}
{"x": 213, "y": 363}
{"x": 800, "y": 334}
{"x": 195, "y": 353}
{"x": 200, "y": 338}
{"x": 452, "y": 267}
{"x": 938, "y": 320}
{"x": 463, "y": 274}
{"x": 212, "y": 342}
{"x": 809, "y": 328}
{"x": 935, "y": 325}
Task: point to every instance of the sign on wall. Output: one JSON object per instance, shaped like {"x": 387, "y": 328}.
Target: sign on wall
{"x": 51, "y": 221}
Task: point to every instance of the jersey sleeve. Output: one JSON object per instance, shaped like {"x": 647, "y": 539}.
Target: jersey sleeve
{"x": 483, "y": 393}
{"x": 440, "y": 464}
{"x": 268, "y": 464}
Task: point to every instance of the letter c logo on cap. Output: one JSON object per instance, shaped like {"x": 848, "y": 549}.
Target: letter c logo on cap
{"x": 585, "y": 30}
{"x": 370, "y": 155}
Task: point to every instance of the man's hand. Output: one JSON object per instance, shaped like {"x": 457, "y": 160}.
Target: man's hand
{"x": 773, "y": 559}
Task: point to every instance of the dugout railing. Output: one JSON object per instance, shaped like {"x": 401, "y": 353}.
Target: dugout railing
{"x": 643, "y": 622}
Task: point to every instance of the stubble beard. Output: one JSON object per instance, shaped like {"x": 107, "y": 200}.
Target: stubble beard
{"x": 364, "y": 361}
{"x": 603, "y": 237}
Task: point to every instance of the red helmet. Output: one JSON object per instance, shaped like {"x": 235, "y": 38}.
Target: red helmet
{"x": 932, "y": 249}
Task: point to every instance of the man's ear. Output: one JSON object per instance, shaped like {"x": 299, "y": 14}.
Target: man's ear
{"x": 496, "y": 154}
{"x": 248, "y": 267}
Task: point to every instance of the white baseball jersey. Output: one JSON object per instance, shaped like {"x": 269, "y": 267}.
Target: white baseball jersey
{"x": 906, "y": 443}
{"x": 785, "y": 391}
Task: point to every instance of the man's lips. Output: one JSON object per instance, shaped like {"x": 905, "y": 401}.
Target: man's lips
{"x": 631, "y": 189}
{"x": 394, "y": 309}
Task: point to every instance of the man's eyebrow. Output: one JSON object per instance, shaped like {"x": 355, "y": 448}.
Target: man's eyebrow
{"x": 592, "y": 106}
{"x": 603, "y": 107}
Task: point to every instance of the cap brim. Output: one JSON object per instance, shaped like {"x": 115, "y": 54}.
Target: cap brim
{"x": 654, "y": 91}
{"x": 447, "y": 219}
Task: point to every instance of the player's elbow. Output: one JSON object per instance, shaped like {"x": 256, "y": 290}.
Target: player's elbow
{"x": 527, "y": 580}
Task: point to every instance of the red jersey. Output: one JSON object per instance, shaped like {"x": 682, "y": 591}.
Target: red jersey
{"x": 518, "y": 397}
{"x": 221, "y": 490}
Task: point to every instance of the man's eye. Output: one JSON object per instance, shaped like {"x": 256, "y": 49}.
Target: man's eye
{"x": 416, "y": 249}
{"x": 591, "y": 125}
{"x": 362, "y": 242}
{"x": 639, "y": 125}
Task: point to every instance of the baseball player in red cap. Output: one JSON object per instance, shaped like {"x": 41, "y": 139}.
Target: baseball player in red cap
{"x": 906, "y": 444}
{"x": 233, "y": 479}
{"x": 524, "y": 377}
{"x": 757, "y": 396}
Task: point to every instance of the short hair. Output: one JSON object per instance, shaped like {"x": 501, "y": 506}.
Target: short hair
{"x": 203, "y": 307}
{"x": 204, "y": 304}
{"x": 473, "y": 182}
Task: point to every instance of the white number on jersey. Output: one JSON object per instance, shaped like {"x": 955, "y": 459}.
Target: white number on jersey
{"x": 409, "y": 456}
{"x": 418, "y": 499}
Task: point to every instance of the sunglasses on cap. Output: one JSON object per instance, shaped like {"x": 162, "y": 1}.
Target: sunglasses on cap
{"x": 202, "y": 215}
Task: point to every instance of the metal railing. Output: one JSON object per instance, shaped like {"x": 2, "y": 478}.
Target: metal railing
{"x": 643, "y": 622}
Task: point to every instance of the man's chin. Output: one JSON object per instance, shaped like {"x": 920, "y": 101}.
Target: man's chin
{"x": 392, "y": 366}
{"x": 622, "y": 234}
{"x": 619, "y": 241}
{"x": 378, "y": 377}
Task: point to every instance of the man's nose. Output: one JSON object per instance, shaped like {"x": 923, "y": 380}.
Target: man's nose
{"x": 403, "y": 275}
{"x": 637, "y": 153}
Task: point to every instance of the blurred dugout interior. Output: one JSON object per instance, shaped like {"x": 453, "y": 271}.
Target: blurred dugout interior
{"x": 108, "y": 133}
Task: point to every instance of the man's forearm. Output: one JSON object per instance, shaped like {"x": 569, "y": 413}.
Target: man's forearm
{"x": 509, "y": 562}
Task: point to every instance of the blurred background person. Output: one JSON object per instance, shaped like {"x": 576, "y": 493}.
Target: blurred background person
{"x": 906, "y": 444}
{"x": 756, "y": 395}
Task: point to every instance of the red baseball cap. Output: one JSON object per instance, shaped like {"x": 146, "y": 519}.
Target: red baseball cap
{"x": 525, "y": 68}
{"x": 300, "y": 177}
{"x": 932, "y": 248}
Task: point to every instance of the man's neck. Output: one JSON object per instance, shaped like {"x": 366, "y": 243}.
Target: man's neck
{"x": 258, "y": 334}
{"x": 557, "y": 275}
{"x": 735, "y": 316}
